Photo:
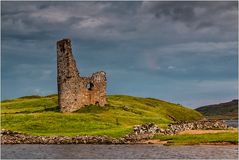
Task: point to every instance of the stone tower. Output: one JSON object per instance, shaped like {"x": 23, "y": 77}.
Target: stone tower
{"x": 74, "y": 91}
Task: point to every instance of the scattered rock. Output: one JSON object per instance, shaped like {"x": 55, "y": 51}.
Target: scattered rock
{"x": 148, "y": 128}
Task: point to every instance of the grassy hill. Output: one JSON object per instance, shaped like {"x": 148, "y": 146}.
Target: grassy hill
{"x": 40, "y": 116}
{"x": 228, "y": 110}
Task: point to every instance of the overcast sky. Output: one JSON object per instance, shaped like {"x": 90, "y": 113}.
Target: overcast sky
{"x": 182, "y": 52}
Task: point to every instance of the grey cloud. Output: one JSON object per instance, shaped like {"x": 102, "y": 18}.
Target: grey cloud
{"x": 114, "y": 21}
{"x": 196, "y": 14}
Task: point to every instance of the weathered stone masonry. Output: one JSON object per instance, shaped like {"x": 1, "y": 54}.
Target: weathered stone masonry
{"x": 74, "y": 91}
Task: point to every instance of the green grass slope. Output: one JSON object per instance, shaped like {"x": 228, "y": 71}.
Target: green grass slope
{"x": 191, "y": 139}
{"x": 40, "y": 116}
{"x": 228, "y": 110}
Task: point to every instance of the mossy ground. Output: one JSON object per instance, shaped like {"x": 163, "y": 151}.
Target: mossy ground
{"x": 190, "y": 139}
{"x": 40, "y": 116}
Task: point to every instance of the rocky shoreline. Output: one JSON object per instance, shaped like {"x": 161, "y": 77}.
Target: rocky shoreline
{"x": 140, "y": 133}
{"x": 12, "y": 137}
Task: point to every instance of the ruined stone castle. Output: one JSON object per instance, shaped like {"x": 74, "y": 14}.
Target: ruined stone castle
{"x": 74, "y": 91}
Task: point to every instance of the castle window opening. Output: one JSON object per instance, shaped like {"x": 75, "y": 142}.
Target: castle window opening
{"x": 90, "y": 86}
{"x": 62, "y": 48}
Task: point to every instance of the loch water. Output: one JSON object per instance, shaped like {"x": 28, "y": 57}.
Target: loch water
{"x": 136, "y": 151}
{"x": 232, "y": 123}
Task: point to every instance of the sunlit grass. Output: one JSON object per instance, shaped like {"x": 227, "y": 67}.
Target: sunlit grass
{"x": 41, "y": 116}
{"x": 199, "y": 138}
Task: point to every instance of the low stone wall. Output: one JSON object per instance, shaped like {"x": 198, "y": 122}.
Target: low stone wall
{"x": 151, "y": 128}
{"x": 140, "y": 132}
{"x": 204, "y": 125}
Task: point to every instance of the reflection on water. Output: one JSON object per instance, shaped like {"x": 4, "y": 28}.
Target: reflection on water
{"x": 24, "y": 151}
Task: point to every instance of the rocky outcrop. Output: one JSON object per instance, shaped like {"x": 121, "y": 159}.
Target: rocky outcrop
{"x": 148, "y": 128}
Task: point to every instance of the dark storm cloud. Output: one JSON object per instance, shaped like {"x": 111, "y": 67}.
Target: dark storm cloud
{"x": 159, "y": 46}
{"x": 197, "y": 14}
{"x": 118, "y": 20}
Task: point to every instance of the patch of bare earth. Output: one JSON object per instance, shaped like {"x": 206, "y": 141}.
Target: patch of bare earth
{"x": 207, "y": 131}
{"x": 154, "y": 141}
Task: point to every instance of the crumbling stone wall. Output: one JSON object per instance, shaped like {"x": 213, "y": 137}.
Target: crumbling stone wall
{"x": 74, "y": 91}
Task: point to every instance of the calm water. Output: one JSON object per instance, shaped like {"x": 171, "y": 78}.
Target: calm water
{"x": 232, "y": 123}
{"x": 144, "y": 151}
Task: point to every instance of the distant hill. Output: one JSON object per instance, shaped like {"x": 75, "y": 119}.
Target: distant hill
{"x": 227, "y": 110}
